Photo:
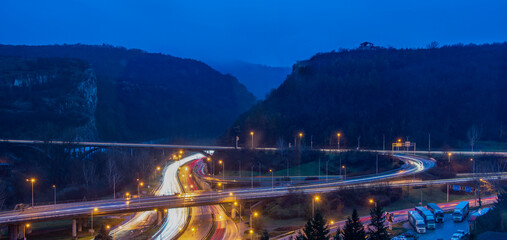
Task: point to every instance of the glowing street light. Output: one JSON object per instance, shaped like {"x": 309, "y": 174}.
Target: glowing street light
{"x": 138, "y": 192}
{"x": 449, "y": 154}
{"x": 32, "y": 181}
{"x": 54, "y": 189}
{"x": 272, "y": 179}
{"x": 373, "y": 202}
{"x": 338, "y": 135}
{"x": 314, "y": 199}
{"x": 93, "y": 210}
{"x": 345, "y": 172}
{"x": 252, "y": 135}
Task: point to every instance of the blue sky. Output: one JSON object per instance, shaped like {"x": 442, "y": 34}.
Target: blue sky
{"x": 272, "y": 32}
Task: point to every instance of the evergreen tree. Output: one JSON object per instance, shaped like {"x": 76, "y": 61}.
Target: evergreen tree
{"x": 339, "y": 234}
{"x": 265, "y": 235}
{"x": 103, "y": 234}
{"x": 315, "y": 229}
{"x": 377, "y": 229}
{"x": 354, "y": 229}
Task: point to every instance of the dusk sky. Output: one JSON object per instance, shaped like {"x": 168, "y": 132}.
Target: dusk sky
{"x": 271, "y": 32}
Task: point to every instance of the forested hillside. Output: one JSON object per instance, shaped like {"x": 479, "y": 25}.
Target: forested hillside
{"x": 143, "y": 96}
{"x": 455, "y": 93}
{"x": 47, "y": 98}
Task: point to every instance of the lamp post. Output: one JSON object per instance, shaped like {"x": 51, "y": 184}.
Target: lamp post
{"x": 338, "y": 135}
{"x": 373, "y": 202}
{"x": 449, "y": 154}
{"x": 399, "y": 141}
{"x": 138, "y": 192}
{"x": 24, "y": 230}
{"x": 252, "y": 135}
{"x": 272, "y": 180}
{"x": 31, "y": 180}
{"x": 300, "y": 139}
{"x": 252, "y": 175}
{"x": 473, "y": 165}
{"x": 314, "y": 199}
{"x": 345, "y": 172}
{"x": 54, "y": 190}
{"x": 254, "y": 214}
{"x": 93, "y": 210}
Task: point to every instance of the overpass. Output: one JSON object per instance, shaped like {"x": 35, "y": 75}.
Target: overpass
{"x": 80, "y": 210}
{"x": 213, "y": 147}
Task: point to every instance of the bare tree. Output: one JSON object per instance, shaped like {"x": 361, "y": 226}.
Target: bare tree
{"x": 113, "y": 175}
{"x": 89, "y": 172}
{"x": 473, "y": 134}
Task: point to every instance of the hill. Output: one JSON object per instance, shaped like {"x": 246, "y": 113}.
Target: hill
{"x": 47, "y": 97}
{"x": 259, "y": 79}
{"x": 370, "y": 92}
{"x": 143, "y": 96}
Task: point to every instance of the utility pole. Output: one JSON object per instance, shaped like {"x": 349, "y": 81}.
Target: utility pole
{"x": 376, "y": 165}
{"x": 447, "y": 192}
{"x": 252, "y": 175}
{"x": 383, "y": 142}
{"x": 429, "y": 143}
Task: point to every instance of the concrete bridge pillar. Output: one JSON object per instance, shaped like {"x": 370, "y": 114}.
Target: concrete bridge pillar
{"x": 80, "y": 225}
{"x": 74, "y": 228}
{"x": 13, "y": 232}
{"x": 159, "y": 217}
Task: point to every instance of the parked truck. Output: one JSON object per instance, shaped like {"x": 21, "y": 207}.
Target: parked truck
{"x": 417, "y": 221}
{"x": 460, "y": 211}
{"x": 437, "y": 212}
{"x": 429, "y": 219}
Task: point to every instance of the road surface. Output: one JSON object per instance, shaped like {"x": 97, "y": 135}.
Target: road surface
{"x": 107, "y": 207}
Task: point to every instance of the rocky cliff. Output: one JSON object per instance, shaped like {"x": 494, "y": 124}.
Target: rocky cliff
{"x": 47, "y": 98}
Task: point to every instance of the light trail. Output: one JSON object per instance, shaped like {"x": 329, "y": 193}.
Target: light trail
{"x": 176, "y": 217}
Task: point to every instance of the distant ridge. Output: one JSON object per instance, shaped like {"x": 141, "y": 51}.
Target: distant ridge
{"x": 143, "y": 96}
{"x": 376, "y": 93}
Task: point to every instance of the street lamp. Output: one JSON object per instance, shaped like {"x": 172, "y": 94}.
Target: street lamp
{"x": 449, "y": 154}
{"x": 345, "y": 172}
{"x": 373, "y": 202}
{"x": 254, "y": 214}
{"x": 24, "y": 230}
{"x": 338, "y": 135}
{"x": 272, "y": 179}
{"x": 31, "y": 180}
{"x": 314, "y": 199}
{"x": 252, "y": 135}
{"x": 138, "y": 192}
{"x": 93, "y": 210}
{"x": 54, "y": 188}
{"x": 473, "y": 165}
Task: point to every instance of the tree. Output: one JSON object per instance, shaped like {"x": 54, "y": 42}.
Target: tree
{"x": 103, "y": 234}
{"x": 339, "y": 234}
{"x": 377, "y": 229}
{"x": 473, "y": 134}
{"x": 315, "y": 229}
{"x": 265, "y": 235}
{"x": 354, "y": 229}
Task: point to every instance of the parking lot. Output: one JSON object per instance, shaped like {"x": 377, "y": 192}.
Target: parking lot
{"x": 443, "y": 230}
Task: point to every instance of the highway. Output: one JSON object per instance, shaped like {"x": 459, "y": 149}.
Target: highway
{"x": 211, "y": 147}
{"x": 399, "y": 216}
{"x": 207, "y": 222}
{"x": 201, "y": 198}
{"x": 198, "y": 198}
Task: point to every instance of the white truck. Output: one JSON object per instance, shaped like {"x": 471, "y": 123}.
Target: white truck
{"x": 417, "y": 221}
{"x": 437, "y": 212}
{"x": 429, "y": 219}
{"x": 460, "y": 211}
